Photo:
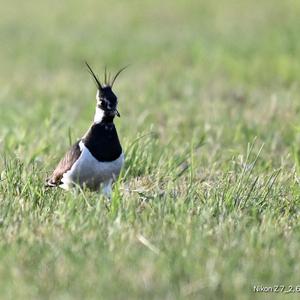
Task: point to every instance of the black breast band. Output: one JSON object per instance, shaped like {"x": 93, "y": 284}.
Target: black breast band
{"x": 103, "y": 142}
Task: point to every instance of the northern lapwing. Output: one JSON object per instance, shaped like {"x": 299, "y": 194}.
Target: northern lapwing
{"x": 96, "y": 159}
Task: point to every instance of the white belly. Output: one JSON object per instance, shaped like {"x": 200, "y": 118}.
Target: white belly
{"x": 87, "y": 171}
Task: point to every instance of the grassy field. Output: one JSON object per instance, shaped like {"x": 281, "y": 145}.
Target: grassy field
{"x": 208, "y": 202}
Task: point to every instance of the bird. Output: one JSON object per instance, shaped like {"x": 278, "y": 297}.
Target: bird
{"x": 96, "y": 159}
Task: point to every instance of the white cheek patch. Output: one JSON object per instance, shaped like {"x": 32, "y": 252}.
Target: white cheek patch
{"x": 98, "y": 115}
{"x": 98, "y": 96}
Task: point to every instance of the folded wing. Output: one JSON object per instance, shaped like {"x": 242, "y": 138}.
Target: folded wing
{"x": 64, "y": 165}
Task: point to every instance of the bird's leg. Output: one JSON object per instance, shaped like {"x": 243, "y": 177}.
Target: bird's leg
{"x": 107, "y": 190}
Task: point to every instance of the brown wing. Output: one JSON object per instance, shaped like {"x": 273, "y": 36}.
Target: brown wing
{"x": 64, "y": 165}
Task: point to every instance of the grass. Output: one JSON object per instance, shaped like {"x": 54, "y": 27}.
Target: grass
{"x": 208, "y": 202}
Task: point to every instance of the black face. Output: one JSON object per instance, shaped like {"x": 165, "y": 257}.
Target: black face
{"x": 107, "y": 100}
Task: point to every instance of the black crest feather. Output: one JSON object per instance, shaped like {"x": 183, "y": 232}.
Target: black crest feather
{"x": 118, "y": 73}
{"x": 94, "y": 76}
{"x": 107, "y": 80}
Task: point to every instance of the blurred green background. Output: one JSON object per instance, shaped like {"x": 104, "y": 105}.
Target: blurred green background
{"x": 198, "y": 59}
{"x": 198, "y": 213}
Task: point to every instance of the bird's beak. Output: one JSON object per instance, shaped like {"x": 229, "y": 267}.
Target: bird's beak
{"x": 117, "y": 113}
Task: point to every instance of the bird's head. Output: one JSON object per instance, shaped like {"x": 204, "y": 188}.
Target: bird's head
{"x": 107, "y": 101}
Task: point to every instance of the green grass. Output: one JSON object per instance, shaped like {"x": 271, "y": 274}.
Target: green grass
{"x": 208, "y": 202}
